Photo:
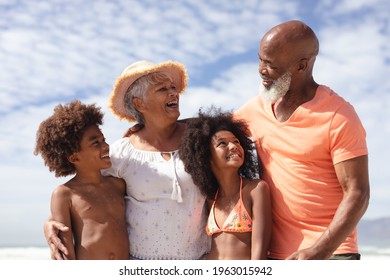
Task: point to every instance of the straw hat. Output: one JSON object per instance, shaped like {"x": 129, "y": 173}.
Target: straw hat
{"x": 136, "y": 70}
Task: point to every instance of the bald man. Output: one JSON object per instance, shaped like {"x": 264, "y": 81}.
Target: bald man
{"x": 313, "y": 147}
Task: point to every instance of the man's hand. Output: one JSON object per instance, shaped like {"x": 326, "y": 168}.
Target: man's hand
{"x": 57, "y": 248}
{"x": 309, "y": 254}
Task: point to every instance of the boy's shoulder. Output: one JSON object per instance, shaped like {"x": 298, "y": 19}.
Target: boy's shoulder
{"x": 63, "y": 191}
{"x": 67, "y": 187}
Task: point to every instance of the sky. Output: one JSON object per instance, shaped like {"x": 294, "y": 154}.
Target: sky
{"x": 55, "y": 51}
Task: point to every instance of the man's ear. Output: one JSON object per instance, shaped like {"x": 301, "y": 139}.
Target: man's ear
{"x": 73, "y": 158}
{"x": 302, "y": 64}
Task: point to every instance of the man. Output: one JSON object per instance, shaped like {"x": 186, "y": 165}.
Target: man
{"x": 313, "y": 148}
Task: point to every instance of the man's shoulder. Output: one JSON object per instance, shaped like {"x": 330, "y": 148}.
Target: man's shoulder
{"x": 327, "y": 93}
{"x": 249, "y": 105}
{"x": 330, "y": 101}
{"x": 252, "y": 101}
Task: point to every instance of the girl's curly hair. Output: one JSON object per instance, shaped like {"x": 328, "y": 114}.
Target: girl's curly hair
{"x": 59, "y": 136}
{"x": 195, "y": 148}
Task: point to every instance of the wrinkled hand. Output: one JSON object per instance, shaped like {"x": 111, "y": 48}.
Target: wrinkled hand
{"x": 308, "y": 254}
{"x": 133, "y": 129}
{"x": 57, "y": 248}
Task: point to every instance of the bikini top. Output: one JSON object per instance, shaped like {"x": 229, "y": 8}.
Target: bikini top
{"x": 237, "y": 221}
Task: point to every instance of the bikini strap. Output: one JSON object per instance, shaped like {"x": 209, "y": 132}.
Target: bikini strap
{"x": 215, "y": 198}
{"x": 241, "y": 188}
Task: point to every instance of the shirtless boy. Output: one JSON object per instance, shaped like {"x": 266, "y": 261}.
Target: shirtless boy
{"x": 90, "y": 205}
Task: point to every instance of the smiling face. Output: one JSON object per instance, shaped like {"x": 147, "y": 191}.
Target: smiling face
{"x": 226, "y": 151}
{"x": 274, "y": 69}
{"x": 94, "y": 151}
{"x": 286, "y": 57}
{"x": 161, "y": 99}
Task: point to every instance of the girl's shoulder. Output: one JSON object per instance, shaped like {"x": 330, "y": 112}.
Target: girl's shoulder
{"x": 251, "y": 186}
{"x": 253, "y": 183}
{"x": 254, "y": 191}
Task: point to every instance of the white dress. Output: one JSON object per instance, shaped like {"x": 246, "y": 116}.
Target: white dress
{"x": 165, "y": 211}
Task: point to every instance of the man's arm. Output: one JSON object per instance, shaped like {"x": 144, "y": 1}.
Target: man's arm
{"x": 51, "y": 230}
{"x": 135, "y": 128}
{"x": 353, "y": 177}
{"x": 60, "y": 211}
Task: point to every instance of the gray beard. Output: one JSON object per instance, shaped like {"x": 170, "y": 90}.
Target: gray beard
{"x": 277, "y": 90}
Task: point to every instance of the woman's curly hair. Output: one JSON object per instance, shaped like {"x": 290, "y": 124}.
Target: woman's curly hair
{"x": 59, "y": 136}
{"x": 195, "y": 148}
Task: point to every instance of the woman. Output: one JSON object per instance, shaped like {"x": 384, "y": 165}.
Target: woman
{"x": 165, "y": 211}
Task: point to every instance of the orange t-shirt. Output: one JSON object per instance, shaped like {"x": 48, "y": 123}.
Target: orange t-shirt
{"x": 299, "y": 156}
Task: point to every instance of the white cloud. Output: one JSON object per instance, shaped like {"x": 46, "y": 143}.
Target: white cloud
{"x": 339, "y": 8}
{"x": 228, "y": 91}
{"x": 354, "y": 61}
{"x": 351, "y": 54}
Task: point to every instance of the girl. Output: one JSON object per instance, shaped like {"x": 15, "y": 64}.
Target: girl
{"x": 218, "y": 154}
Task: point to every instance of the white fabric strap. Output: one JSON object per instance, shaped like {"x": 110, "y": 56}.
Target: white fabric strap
{"x": 176, "y": 189}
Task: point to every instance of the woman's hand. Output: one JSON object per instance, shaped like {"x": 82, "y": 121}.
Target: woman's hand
{"x": 133, "y": 129}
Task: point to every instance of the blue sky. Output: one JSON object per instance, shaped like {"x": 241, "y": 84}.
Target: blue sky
{"x": 54, "y": 51}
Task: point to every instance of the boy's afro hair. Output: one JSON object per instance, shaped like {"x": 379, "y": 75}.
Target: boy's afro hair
{"x": 59, "y": 136}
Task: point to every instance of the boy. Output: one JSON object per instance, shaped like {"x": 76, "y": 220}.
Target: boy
{"x": 91, "y": 205}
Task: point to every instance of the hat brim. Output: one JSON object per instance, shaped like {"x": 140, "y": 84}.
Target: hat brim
{"x": 116, "y": 103}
